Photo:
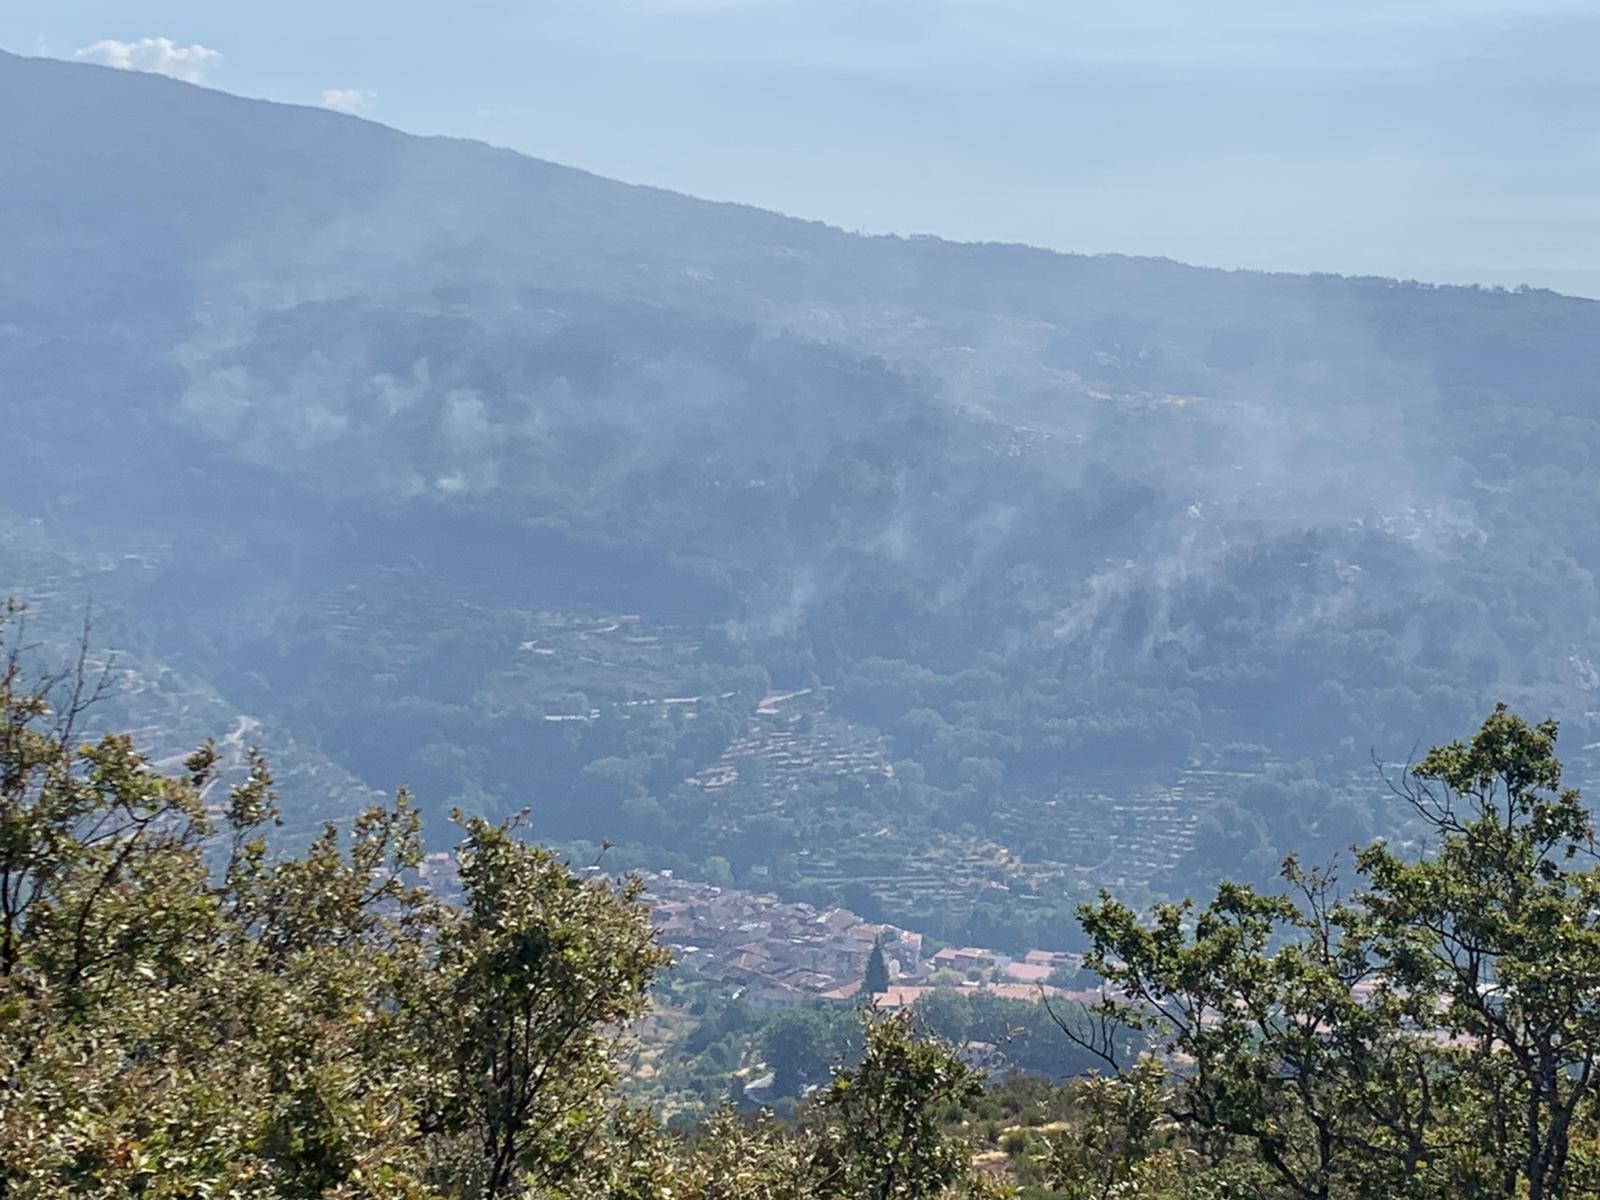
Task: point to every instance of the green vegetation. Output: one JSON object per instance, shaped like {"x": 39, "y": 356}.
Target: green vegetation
{"x": 452, "y": 467}
{"x": 705, "y": 1047}
{"x": 1430, "y": 1034}
{"x": 876, "y": 980}
{"x": 187, "y": 1010}
{"x": 185, "y": 1013}
{"x": 948, "y": 583}
{"x": 1435, "y": 1033}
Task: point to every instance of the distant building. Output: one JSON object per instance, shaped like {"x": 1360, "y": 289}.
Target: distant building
{"x": 966, "y": 958}
{"x": 770, "y": 995}
{"x": 1055, "y": 958}
{"x": 904, "y": 949}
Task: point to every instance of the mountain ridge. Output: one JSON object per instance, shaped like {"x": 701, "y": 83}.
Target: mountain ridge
{"x": 453, "y": 466}
{"x": 327, "y": 118}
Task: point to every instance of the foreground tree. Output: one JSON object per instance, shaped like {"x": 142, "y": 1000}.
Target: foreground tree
{"x": 1434, "y": 1035}
{"x": 1498, "y": 933}
{"x": 883, "y": 1136}
{"x": 881, "y": 1130}
{"x": 185, "y": 1013}
{"x": 1123, "y": 1145}
{"x": 539, "y": 969}
{"x": 182, "y": 1013}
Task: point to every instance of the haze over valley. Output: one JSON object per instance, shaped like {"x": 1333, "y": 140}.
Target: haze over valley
{"x": 522, "y": 679}
{"x": 946, "y": 582}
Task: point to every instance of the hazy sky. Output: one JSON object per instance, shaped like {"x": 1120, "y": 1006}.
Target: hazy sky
{"x": 1437, "y": 139}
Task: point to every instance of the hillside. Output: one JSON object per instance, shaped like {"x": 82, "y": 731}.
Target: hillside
{"x": 455, "y": 468}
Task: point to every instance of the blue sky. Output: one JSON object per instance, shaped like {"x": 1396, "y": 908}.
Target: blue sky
{"x": 1453, "y": 140}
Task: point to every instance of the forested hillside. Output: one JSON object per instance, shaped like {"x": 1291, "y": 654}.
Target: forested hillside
{"x": 186, "y": 1009}
{"x": 945, "y": 580}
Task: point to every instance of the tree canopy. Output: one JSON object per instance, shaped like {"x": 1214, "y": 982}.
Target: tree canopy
{"x": 186, "y": 1010}
{"x": 1434, "y": 1032}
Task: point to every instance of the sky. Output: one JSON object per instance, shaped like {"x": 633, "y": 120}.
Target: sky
{"x": 1446, "y": 140}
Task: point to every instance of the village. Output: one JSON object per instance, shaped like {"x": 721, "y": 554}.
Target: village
{"x": 773, "y": 954}
{"x": 776, "y": 954}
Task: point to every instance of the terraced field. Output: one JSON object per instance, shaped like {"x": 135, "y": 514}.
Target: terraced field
{"x": 792, "y": 739}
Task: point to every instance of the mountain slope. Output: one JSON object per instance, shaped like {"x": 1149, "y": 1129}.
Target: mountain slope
{"x": 461, "y": 465}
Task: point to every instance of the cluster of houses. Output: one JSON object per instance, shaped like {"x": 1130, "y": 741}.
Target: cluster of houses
{"x": 776, "y": 954}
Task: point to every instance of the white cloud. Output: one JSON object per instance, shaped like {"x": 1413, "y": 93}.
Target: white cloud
{"x": 349, "y": 100}
{"x": 189, "y": 63}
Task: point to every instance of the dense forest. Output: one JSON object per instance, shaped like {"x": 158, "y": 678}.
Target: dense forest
{"x": 945, "y": 581}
